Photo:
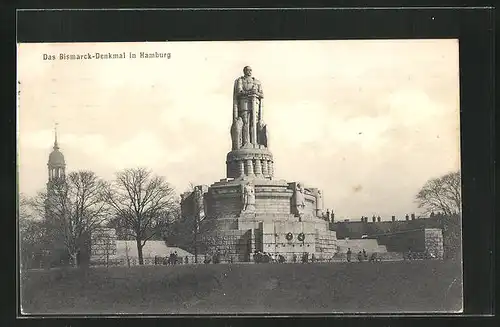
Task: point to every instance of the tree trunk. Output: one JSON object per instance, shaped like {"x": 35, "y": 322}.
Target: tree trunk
{"x": 107, "y": 257}
{"x": 74, "y": 258}
{"x": 127, "y": 250}
{"x": 196, "y": 232}
{"x": 139, "y": 252}
{"x": 195, "y": 247}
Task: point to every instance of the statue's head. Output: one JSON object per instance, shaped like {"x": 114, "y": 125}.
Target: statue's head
{"x": 247, "y": 71}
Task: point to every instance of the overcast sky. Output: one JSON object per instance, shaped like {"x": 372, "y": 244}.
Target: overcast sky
{"x": 366, "y": 121}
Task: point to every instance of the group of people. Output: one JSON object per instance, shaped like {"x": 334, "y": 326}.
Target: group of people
{"x": 215, "y": 258}
{"x": 362, "y": 256}
{"x": 410, "y": 255}
{"x": 265, "y": 257}
{"x": 304, "y": 258}
{"x": 172, "y": 259}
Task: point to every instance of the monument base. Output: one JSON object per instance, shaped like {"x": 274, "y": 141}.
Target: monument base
{"x": 272, "y": 226}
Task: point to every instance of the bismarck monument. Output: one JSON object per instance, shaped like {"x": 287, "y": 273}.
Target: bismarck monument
{"x": 250, "y": 210}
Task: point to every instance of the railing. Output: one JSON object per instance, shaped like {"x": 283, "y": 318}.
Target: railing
{"x": 147, "y": 261}
{"x": 289, "y": 257}
{"x": 278, "y": 257}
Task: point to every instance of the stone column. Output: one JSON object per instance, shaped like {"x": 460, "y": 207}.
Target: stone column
{"x": 249, "y": 167}
{"x": 241, "y": 168}
{"x": 270, "y": 168}
{"x": 265, "y": 172}
{"x": 258, "y": 168}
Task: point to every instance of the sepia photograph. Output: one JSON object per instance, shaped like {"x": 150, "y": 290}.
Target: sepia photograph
{"x": 239, "y": 177}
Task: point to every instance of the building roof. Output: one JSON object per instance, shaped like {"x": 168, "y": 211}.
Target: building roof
{"x": 56, "y": 158}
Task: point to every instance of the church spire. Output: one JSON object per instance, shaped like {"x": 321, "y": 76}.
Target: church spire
{"x": 56, "y": 164}
{"x": 56, "y": 146}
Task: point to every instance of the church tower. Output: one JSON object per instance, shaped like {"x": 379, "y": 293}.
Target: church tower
{"x": 56, "y": 165}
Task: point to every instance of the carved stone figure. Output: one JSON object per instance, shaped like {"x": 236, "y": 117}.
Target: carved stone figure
{"x": 319, "y": 203}
{"x": 300, "y": 201}
{"x": 236, "y": 133}
{"x": 199, "y": 207}
{"x": 247, "y": 104}
{"x": 262, "y": 134}
{"x": 248, "y": 197}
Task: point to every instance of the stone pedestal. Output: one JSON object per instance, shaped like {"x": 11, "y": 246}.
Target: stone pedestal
{"x": 255, "y": 161}
{"x": 268, "y": 224}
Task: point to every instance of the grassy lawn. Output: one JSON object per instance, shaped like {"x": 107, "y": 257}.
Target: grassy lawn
{"x": 419, "y": 286}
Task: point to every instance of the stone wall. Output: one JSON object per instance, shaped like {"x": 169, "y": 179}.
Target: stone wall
{"x": 404, "y": 241}
{"x": 232, "y": 245}
{"x": 428, "y": 240}
{"x": 434, "y": 242}
{"x": 272, "y": 197}
{"x": 274, "y": 239}
{"x": 224, "y": 202}
{"x": 276, "y": 203}
{"x": 355, "y": 229}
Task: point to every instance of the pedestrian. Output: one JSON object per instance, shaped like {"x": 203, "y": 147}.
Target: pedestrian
{"x": 360, "y": 256}
{"x": 365, "y": 255}
{"x": 281, "y": 258}
{"x": 349, "y": 253}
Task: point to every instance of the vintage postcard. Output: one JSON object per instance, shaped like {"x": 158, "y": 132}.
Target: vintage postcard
{"x": 242, "y": 177}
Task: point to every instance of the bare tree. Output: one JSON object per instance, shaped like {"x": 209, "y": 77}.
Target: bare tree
{"x": 32, "y": 236}
{"x": 127, "y": 253}
{"x": 74, "y": 208}
{"x": 143, "y": 202}
{"x": 442, "y": 194}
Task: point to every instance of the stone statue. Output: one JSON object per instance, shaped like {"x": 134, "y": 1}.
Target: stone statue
{"x": 262, "y": 134}
{"x": 199, "y": 207}
{"x": 247, "y": 105}
{"x": 248, "y": 197}
{"x": 319, "y": 203}
{"x": 236, "y": 133}
{"x": 300, "y": 201}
